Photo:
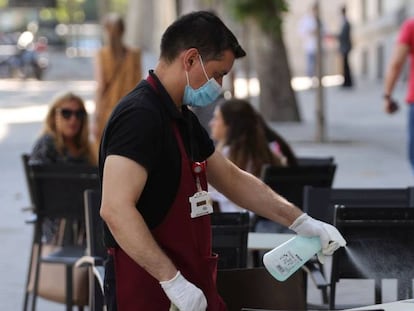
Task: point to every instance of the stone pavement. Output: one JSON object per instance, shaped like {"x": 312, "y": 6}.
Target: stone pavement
{"x": 369, "y": 148}
{"x": 368, "y": 145}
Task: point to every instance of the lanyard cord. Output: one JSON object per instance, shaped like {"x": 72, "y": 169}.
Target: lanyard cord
{"x": 153, "y": 84}
{"x": 190, "y": 129}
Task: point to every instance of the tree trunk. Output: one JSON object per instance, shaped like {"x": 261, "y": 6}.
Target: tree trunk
{"x": 277, "y": 98}
{"x": 103, "y": 8}
{"x": 146, "y": 21}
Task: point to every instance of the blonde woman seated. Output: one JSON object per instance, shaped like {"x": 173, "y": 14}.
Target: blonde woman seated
{"x": 64, "y": 139}
{"x": 65, "y": 134}
{"x": 239, "y": 134}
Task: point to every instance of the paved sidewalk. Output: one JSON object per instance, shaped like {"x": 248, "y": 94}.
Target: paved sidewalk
{"x": 369, "y": 148}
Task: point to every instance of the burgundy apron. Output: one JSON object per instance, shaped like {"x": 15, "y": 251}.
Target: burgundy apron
{"x": 186, "y": 240}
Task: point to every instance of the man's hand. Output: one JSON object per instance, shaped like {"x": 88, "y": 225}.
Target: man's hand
{"x": 183, "y": 294}
{"x": 330, "y": 237}
{"x": 390, "y": 105}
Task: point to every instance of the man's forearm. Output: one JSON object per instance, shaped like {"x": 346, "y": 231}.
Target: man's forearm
{"x": 398, "y": 59}
{"x": 391, "y": 79}
{"x": 254, "y": 195}
{"x": 134, "y": 237}
{"x": 249, "y": 192}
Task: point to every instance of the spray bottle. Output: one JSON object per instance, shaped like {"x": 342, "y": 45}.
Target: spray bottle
{"x": 287, "y": 258}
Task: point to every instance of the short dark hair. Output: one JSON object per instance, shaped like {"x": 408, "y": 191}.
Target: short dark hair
{"x": 202, "y": 30}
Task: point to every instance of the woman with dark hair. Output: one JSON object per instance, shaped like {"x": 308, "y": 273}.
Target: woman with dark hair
{"x": 278, "y": 144}
{"x": 240, "y": 135}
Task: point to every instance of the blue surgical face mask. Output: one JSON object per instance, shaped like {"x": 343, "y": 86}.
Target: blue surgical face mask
{"x": 204, "y": 95}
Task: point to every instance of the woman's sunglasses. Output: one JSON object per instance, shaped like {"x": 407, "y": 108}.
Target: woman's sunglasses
{"x": 68, "y": 113}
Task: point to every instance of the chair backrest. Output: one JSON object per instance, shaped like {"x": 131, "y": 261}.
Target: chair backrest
{"x": 319, "y": 202}
{"x": 256, "y": 288}
{"x": 25, "y": 160}
{"x": 291, "y": 181}
{"x": 380, "y": 243}
{"x": 306, "y": 161}
{"x": 94, "y": 224}
{"x": 58, "y": 188}
{"x": 229, "y": 238}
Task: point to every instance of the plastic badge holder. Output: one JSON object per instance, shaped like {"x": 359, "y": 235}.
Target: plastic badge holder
{"x": 287, "y": 258}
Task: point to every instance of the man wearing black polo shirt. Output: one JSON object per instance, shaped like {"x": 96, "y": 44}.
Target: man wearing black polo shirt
{"x": 155, "y": 160}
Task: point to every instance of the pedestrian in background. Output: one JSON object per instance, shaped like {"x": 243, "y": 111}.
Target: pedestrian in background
{"x": 308, "y": 30}
{"x": 117, "y": 71}
{"x": 403, "y": 49}
{"x": 345, "y": 46}
{"x": 154, "y": 172}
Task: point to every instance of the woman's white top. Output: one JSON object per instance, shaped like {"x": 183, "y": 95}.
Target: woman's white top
{"x": 226, "y": 206}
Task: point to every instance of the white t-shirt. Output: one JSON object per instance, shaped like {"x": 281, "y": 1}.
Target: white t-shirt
{"x": 308, "y": 29}
{"x": 226, "y": 206}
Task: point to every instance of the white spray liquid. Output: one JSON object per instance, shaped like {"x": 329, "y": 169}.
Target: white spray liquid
{"x": 357, "y": 260}
{"x": 382, "y": 259}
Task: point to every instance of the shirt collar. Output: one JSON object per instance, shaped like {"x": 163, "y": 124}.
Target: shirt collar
{"x": 167, "y": 100}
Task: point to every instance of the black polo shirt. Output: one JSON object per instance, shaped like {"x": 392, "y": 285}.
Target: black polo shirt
{"x": 140, "y": 129}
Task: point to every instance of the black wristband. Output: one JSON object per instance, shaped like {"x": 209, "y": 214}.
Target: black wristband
{"x": 387, "y": 96}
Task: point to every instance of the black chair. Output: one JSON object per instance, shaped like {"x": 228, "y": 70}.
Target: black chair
{"x": 57, "y": 193}
{"x": 95, "y": 249}
{"x": 229, "y": 238}
{"x": 309, "y": 161}
{"x": 380, "y": 245}
{"x": 25, "y": 161}
{"x": 291, "y": 181}
{"x": 255, "y": 288}
{"x": 319, "y": 202}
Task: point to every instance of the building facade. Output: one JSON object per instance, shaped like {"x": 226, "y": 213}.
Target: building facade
{"x": 375, "y": 25}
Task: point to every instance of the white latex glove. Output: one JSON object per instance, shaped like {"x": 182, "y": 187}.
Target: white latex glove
{"x": 330, "y": 237}
{"x": 183, "y": 294}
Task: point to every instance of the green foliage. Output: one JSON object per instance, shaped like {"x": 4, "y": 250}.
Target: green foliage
{"x": 119, "y": 6}
{"x": 268, "y": 14}
{"x": 75, "y": 11}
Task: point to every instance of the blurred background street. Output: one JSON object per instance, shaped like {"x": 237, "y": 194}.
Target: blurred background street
{"x": 368, "y": 146}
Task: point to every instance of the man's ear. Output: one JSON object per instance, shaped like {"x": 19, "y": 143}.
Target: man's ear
{"x": 189, "y": 58}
